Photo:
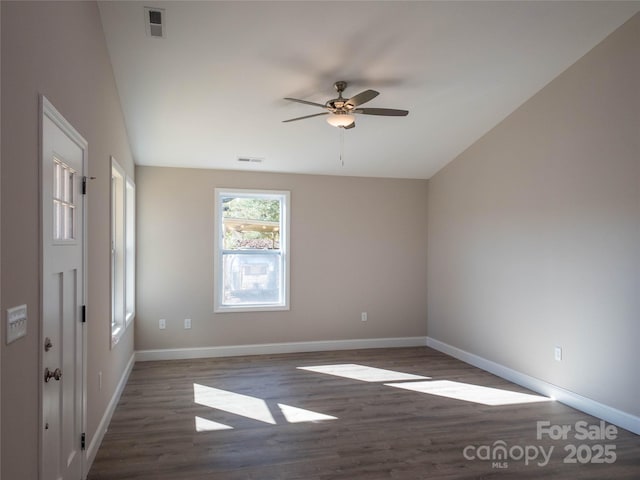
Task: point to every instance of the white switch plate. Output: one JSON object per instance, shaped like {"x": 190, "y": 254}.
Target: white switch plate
{"x": 16, "y": 323}
{"x": 187, "y": 323}
{"x": 557, "y": 354}
{"x": 363, "y": 316}
{"x": 162, "y": 324}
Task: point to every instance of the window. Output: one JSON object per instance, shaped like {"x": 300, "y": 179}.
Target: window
{"x": 251, "y": 244}
{"x": 122, "y": 251}
{"x": 64, "y": 206}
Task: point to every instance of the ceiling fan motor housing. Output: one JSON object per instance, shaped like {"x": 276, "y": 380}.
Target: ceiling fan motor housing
{"x": 339, "y": 105}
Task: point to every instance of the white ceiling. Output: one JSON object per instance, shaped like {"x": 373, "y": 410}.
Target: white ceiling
{"x": 213, "y": 89}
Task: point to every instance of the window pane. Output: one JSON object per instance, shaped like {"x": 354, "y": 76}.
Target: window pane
{"x": 252, "y": 278}
{"x": 70, "y": 177}
{"x": 69, "y": 223}
{"x": 251, "y": 208}
{"x": 57, "y": 179}
{"x": 57, "y": 220}
{"x": 251, "y": 223}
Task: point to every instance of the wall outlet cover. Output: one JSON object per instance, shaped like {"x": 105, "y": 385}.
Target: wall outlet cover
{"x": 557, "y": 354}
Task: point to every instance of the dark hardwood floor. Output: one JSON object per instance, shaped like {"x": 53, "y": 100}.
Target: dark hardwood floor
{"x": 269, "y": 411}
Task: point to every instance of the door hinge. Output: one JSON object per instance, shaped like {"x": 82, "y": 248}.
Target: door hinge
{"x": 84, "y": 314}
{"x": 84, "y": 184}
{"x": 83, "y": 441}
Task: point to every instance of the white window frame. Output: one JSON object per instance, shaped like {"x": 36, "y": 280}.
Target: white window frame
{"x": 122, "y": 245}
{"x": 285, "y": 199}
{"x": 130, "y": 251}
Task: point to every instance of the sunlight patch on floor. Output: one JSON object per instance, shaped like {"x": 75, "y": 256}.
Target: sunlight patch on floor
{"x": 470, "y": 393}
{"x": 204, "y": 425}
{"x": 248, "y": 407}
{"x": 363, "y": 373}
{"x": 299, "y": 415}
{"x": 231, "y": 402}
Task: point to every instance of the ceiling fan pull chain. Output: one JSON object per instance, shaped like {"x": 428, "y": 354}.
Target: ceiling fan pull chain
{"x": 342, "y": 147}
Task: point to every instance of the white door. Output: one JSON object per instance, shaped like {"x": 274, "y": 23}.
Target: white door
{"x": 62, "y": 375}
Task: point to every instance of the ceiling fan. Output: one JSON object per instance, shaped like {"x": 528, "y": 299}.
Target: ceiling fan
{"x": 341, "y": 110}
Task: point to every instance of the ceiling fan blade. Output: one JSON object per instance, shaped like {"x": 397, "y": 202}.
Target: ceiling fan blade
{"x": 306, "y": 116}
{"x": 351, "y": 125}
{"x": 387, "y": 112}
{"x": 305, "y": 102}
{"x": 362, "y": 97}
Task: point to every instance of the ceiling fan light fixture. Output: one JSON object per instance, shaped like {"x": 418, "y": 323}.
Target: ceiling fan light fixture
{"x": 341, "y": 119}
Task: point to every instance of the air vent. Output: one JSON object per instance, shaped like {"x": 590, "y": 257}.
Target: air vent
{"x": 155, "y": 21}
{"x": 250, "y": 160}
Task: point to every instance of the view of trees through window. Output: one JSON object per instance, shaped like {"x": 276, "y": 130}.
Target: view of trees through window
{"x": 251, "y": 223}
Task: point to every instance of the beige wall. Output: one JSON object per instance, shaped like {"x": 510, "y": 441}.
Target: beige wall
{"x": 57, "y": 49}
{"x": 357, "y": 244}
{"x": 534, "y": 232}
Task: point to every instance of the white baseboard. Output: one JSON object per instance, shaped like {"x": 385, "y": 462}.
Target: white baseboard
{"x": 584, "y": 404}
{"x": 273, "y": 348}
{"x": 95, "y": 442}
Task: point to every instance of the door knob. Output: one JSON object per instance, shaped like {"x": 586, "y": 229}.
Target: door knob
{"x": 48, "y": 374}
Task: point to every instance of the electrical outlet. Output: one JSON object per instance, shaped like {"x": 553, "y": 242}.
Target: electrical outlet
{"x": 162, "y": 324}
{"x": 557, "y": 354}
{"x": 363, "y": 316}
{"x": 187, "y": 323}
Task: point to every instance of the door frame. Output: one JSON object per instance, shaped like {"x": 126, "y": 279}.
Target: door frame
{"x": 46, "y": 109}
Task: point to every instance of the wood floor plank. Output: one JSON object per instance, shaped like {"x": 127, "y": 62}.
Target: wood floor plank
{"x": 380, "y": 432}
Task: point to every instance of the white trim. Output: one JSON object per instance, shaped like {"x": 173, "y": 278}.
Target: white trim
{"x": 46, "y": 109}
{"x": 584, "y": 404}
{"x": 272, "y": 348}
{"x": 94, "y": 445}
{"x": 56, "y": 117}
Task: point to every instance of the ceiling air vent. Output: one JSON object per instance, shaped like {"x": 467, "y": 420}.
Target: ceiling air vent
{"x": 154, "y": 20}
{"x": 250, "y": 160}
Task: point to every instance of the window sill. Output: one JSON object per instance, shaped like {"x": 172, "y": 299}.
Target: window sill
{"x": 117, "y": 334}
{"x": 248, "y": 308}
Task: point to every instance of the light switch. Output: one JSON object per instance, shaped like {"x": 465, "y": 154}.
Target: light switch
{"x": 16, "y": 323}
